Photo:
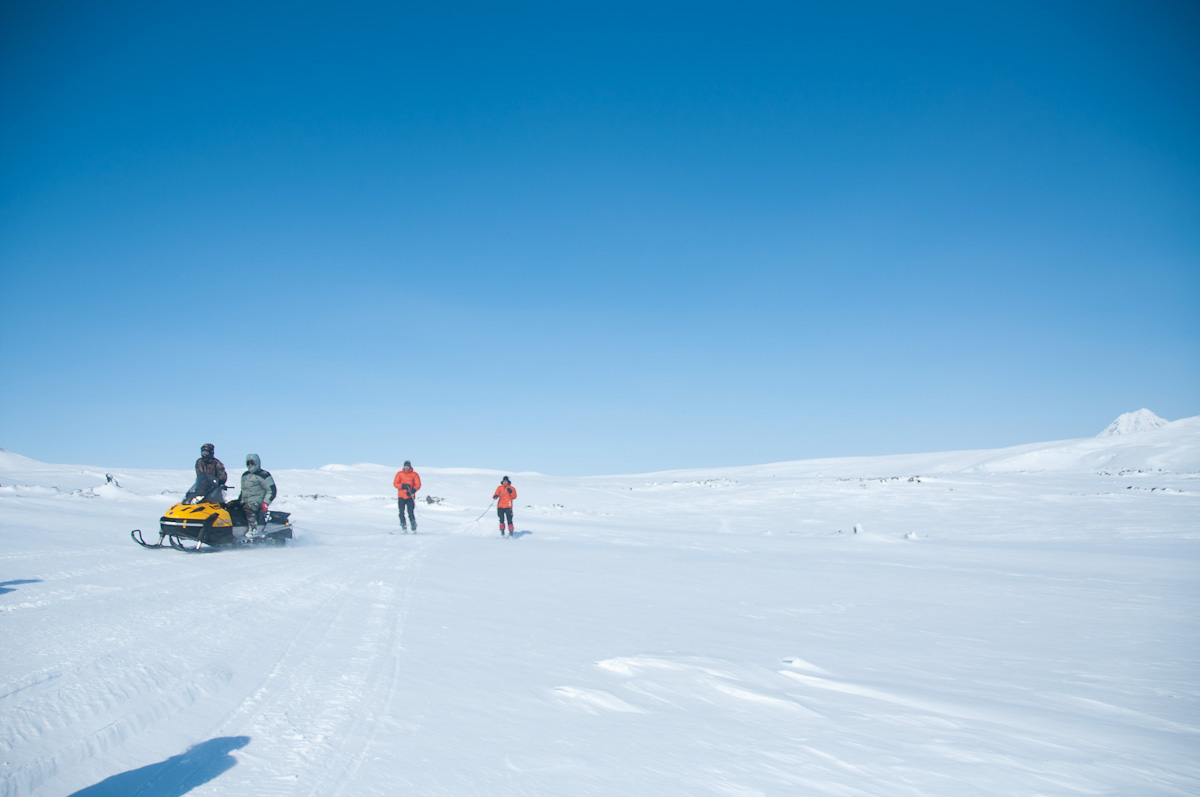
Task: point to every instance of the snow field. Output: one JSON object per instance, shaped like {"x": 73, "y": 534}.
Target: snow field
{"x": 984, "y": 631}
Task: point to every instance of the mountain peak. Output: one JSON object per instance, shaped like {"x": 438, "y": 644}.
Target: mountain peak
{"x": 1141, "y": 421}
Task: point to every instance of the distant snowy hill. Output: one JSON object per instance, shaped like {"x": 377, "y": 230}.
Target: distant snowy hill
{"x": 1172, "y": 446}
{"x": 13, "y": 461}
{"x": 1141, "y": 421}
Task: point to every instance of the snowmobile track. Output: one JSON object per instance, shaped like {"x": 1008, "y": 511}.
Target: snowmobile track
{"x": 356, "y": 631}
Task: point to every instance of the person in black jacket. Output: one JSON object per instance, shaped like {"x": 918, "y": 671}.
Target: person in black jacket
{"x": 208, "y": 463}
{"x": 210, "y": 477}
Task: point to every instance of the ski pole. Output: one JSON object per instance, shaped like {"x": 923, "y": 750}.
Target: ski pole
{"x": 489, "y": 506}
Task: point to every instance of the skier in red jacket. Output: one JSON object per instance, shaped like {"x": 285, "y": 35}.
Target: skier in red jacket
{"x": 503, "y": 497}
{"x": 407, "y": 482}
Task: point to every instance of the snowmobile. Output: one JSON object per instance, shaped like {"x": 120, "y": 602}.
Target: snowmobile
{"x": 204, "y": 522}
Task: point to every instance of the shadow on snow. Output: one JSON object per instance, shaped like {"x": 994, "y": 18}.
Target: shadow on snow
{"x": 4, "y": 585}
{"x": 174, "y": 777}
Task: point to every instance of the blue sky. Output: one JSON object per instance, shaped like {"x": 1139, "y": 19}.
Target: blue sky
{"x": 615, "y": 238}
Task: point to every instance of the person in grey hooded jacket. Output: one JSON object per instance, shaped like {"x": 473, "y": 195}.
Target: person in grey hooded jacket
{"x": 258, "y": 491}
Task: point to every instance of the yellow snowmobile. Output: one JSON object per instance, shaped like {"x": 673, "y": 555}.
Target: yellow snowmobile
{"x": 203, "y": 522}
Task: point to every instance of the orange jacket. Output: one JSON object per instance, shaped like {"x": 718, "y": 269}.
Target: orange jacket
{"x": 505, "y": 494}
{"x": 407, "y": 482}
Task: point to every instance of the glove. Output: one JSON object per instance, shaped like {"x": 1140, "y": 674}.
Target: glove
{"x": 494, "y": 497}
{"x": 264, "y": 509}
{"x": 509, "y": 490}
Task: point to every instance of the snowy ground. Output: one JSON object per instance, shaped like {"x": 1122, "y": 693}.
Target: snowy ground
{"x": 1013, "y": 622}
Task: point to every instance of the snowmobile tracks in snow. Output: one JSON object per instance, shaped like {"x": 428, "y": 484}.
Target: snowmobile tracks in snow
{"x": 341, "y": 668}
{"x": 236, "y": 664}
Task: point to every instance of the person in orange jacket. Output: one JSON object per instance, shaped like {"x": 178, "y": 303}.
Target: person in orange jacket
{"x": 407, "y": 482}
{"x": 503, "y": 497}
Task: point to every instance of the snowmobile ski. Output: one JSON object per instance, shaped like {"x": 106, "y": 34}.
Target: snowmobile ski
{"x": 137, "y": 537}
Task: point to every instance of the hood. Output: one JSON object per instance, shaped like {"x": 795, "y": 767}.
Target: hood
{"x": 253, "y": 462}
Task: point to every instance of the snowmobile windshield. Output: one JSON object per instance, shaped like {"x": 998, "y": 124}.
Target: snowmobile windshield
{"x": 206, "y": 489}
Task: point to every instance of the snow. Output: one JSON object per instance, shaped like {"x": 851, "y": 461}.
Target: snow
{"x": 1021, "y": 621}
{"x": 1142, "y": 420}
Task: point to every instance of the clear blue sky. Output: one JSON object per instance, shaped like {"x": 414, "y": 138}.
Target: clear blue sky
{"x": 597, "y": 239}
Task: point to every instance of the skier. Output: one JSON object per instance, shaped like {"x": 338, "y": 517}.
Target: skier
{"x": 258, "y": 491}
{"x": 503, "y": 497}
{"x": 407, "y": 482}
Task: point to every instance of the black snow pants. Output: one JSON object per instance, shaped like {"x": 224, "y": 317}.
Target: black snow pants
{"x": 412, "y": 517}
